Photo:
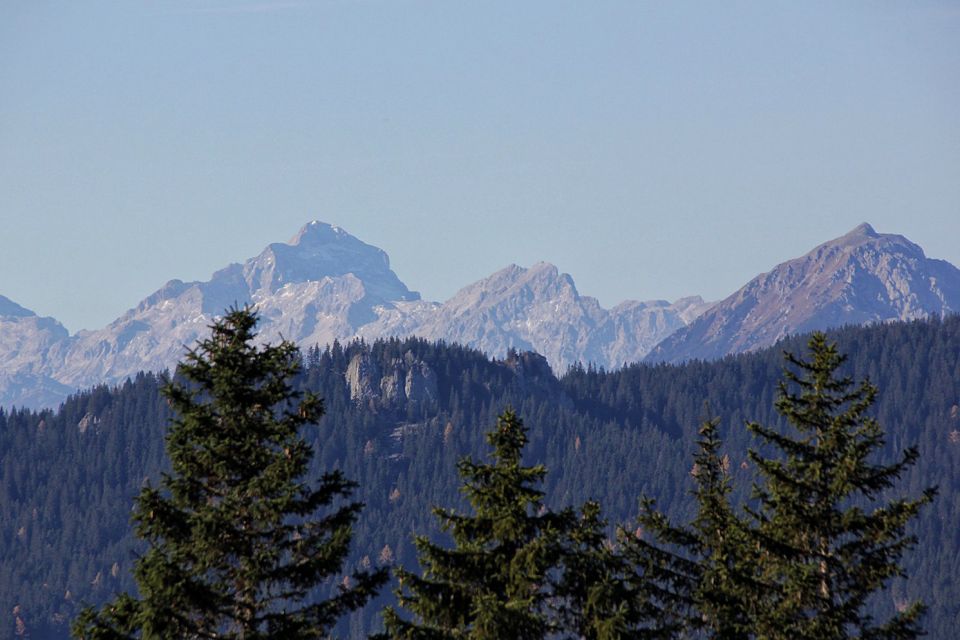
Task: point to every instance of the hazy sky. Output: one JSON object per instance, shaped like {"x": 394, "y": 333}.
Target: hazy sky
{"x": 651, "y": 150}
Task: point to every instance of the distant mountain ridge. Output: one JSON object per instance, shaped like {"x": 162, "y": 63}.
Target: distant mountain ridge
{"x": 540, "y": 309}
{"x": 859, "y": 278}
{"x": 325, "y": 285}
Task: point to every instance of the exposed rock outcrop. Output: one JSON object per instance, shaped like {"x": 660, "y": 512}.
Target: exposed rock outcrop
{"x": 363, "y": 378}
{"x": 420, "y": 385}
{"x": 403, "y": 380}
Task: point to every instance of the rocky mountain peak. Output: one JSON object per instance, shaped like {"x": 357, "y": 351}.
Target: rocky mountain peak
{"x": 316, "y": 232}
{"x": 859, "y": 278}
{"x": 26, "y": 339}
{"x": 864, "y": 236}
{"x": 863, "y": 230}
{"x": 542, "y": 280}
{"x": 512, "y": 274}
{"x": 11, "y": 309}
{"x": 544, "y": 272}
{"x": 320, "y": 250}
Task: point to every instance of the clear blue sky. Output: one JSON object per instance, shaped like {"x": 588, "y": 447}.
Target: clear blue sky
{"x": 652, "y": 150}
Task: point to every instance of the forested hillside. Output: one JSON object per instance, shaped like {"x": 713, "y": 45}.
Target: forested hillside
{"x": 400, "y": 414}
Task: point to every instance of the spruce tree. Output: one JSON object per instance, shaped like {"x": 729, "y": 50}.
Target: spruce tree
{"x": 493, "y": 583}
{"x": 699, "y": 577}
{"x": 591, "y": 598}
{"x": 728, "y": 583}
{"x": 237, "y": 540}
{"x": 826, "y": 544}
{"x": 598, "y": 594}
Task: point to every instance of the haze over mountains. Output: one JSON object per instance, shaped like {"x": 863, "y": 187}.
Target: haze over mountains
{"x": 327, "y": 285}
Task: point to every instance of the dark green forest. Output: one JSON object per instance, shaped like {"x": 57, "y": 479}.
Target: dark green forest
{"x": 400, "y": 414}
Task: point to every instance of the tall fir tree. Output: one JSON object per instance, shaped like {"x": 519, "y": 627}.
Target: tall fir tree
{"x": 826, "y": 544}
{"x": 493, "y": 583}
{"x": 237, "y": 540}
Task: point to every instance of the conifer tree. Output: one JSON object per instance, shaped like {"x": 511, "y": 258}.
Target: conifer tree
{"x": 492, "y": 584}
{"x": 592, "y": 597}
{"x": 701, "y": 576}
{"x": 237, "y": 540}
{"x": 826, "y": 546}
{"x": 598, "y": 594}
{"x": 728, "y": 584}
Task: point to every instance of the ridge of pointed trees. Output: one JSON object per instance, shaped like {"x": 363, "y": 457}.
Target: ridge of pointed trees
{"x": 818, "y": 542}
{"x": 238, "y": 539}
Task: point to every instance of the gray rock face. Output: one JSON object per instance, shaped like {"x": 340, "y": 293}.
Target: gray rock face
{"x": 23, "y": 389}
{"x": 859, "y": 278}
{"x": 420, "y": 383}
{"x": 318, "y": 251}
{"x": 319, "y": 287}
{"x": 406, "y": 380}
{"x": 324, "y": 285}
{"x": 26, "y": 340}
{"x": 392, "y": 389}
{"x": 23, "y": 336}
{"x": 363, "y": 378}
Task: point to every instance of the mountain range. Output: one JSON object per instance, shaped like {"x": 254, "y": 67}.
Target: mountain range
{"x": 325, "y": 285}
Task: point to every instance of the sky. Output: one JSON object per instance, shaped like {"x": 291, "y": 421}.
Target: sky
{"x": 649, "y": 149}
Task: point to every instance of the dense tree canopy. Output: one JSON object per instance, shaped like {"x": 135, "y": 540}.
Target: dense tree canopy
{"x": 69, "y": 476}
{"x": 704, "y": 573}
